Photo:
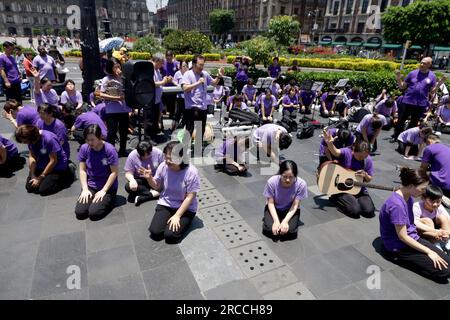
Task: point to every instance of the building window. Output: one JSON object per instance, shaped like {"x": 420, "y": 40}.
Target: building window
{"x": 296, "y": 11}
{"x": 9, "y": 19}
{"x": 361, "y": 26}
{"x": 36, "y": 20}
{"x": 7, "y": 8}
{"x": 364, "y": 6}
{"x": 336, "y": 8}
{"x": 383, "y": 5}
{"x": 349, "y": 7}
{"x": 55, "y": 21}
{"x": 346, "y": 26}
{"x": 282, "y": 10}
{"x": 405, "y": 3}
{"x": 333, "y": 25}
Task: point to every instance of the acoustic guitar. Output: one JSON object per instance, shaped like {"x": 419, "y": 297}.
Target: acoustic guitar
{"x": 335, "y": 179}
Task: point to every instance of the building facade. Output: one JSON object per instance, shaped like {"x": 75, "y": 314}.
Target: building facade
{"x": 27, "y": 17}
{"x": 252, "y": 16}
{"x": 356, "y": 21}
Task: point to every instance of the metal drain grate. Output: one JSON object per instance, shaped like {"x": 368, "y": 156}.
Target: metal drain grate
{"x": 205, "y": 184}
{"x": 220, "y": 214}
{"x": 236, "y": 234}
{"x": 256, "y": 258}
{"x": 210, "y": 198}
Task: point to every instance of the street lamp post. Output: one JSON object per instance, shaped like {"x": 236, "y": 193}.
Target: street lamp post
{"x": 314, "y": 13}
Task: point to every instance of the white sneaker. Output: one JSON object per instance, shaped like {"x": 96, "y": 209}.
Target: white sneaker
{"x": 438, "y": 245}
{"x": 446, "y": 201}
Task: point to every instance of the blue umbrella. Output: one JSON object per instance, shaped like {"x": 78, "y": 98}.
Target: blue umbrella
{"x": 110, "y": 44}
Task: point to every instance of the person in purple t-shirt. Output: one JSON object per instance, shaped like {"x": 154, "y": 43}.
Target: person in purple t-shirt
{"x": 85, "y": 120}
{"x": 328, "y": 103}
{"x": 230, "y": 156}
{"x": 412, "y": 141}
{"x": 399, "y": 233}
{"x": 49, "y": 122}
{"x": 443, "y": 115}
{"x": 46, "y": 65}
{"x": 290, "y": 104}
{"x": 43, "y": 90}
{"x": 419, "y": 84}
{"x": 271, "y": 137}
{"x": 249, "y": 92}
{"x": 274, "y": 69}
{"x": 10, "y": 160}
{"x": 283, "y": 193}
{"x": 178, "y": 184}
{"x": 71, "y": 95}
{"x": 144, "y": 157}
{"x": 436, "y": 159}
{"x": 242, "y": 64}
{"x": 19, "y": 115}
{"x": 169, "y": 67}
{"x": 388, "y": 108}
{"x": 9, "y": 72}
{"x": 99, "y": 168}
{"x": 306, "y": 98}
{"x": 369, "y": 129}
{"x": 238, "y": 103}
{"x": 49, "y": 170}
{"x": 155, "y": 113}
{"x": 356, "y": 158}
{"x": 266, "y": 106}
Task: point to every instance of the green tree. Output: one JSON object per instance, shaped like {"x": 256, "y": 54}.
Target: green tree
{"x": 147, "y": 44}
{"x": 284, "y": 30}
{"x": 260, "y": 49}
{"x": 422, "y": 22}
{"x": 221, "y": 21}
{"x": 191, "y": 42}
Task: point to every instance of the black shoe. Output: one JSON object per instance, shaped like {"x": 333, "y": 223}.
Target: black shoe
{"x": 141, "y": 199}
{"x": 392, "y": 140}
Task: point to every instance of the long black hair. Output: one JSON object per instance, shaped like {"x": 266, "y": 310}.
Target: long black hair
{"x": 288, "y": 165}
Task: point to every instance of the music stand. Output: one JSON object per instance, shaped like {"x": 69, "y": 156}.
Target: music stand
{"x": 259, "y": 83}
{"x": 307, "y": 85}
{"x": 227, "y": 82}
{"x": 317, "y": 86}
{"x": 341, "y": 83}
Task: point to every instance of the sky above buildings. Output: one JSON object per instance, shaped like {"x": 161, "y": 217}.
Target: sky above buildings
{"x": 152, "y": 4}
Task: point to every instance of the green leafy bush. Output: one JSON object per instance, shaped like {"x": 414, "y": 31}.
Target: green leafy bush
{"x": 212, "y": 56}
{"x": 187, "y": 42}
{"x": 147, "y": 44}
{"x": 186, "y": 57}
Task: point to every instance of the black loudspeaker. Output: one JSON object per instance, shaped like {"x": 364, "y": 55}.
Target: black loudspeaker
{"x": 139, "y": 84}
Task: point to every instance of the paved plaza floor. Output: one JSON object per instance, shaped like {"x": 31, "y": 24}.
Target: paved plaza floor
{"x": 224, "y": 255}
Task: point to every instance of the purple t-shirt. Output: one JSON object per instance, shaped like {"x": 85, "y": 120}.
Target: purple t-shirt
{"x": 419, "y": 87}
{"x": 227, "y": 149}
{"x": 218, "y": 92}
{"x": 385, "y": 111}
{"x": 59, "y": 129}
{"x": 396, "y": 211}
{"x": 169, "y": 69}
{"x": 354, "y": 96}
{"x": 249, "y": 92}
{"x": 157, "y": 77}
{"x": 275, "y": 88}
{"x": 328, "y": 105}
{"x": 100, "y": 110}
{"x": 45, "y": 66}
{"x": 175, "y": 185}
{"x": 307, "y": 97}
{"x": 411, "y": 136}
{"x": 98, "y": 165}
{"x": 177, "y": 79}
{"x": 241, "y": 72}
{"x": 74, "y": 100}
{"x": 284, "y": 197}
{"x": 196, "y": 97}
{"x": 349, "y": 162}
{"x": 10, "y": 66}
{"x": 267, "y": 104}
{"x": 11, "y": 149}
{"x": 267, "y": 132}
{"x": 47, "y": 144}
{"x": 437, "y": 155}
{"x": 242, "y": 107}
{"x": 114, "y": 106}
{"x": 337, "y": 143}
{"x": 86, "y": 119}
{"x": 134, "y": 161}
{"x": 274, "y": 71}
{"x": 50, "y": 97}
{"x": 27, "y": 115}
{"x": 444, "y": 113}
{"x": 366, "y": 122}
{"x": 287, "y": 100}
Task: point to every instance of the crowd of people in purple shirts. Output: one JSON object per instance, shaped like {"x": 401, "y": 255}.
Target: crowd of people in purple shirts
{"x": 415, "y": 234}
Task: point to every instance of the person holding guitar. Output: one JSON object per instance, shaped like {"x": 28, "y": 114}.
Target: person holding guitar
{"x": 356, "y": 158}
{"x": 399, "y": 233}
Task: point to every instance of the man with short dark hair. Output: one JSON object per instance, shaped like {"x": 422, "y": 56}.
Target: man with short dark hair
{"x": 45, "y": 64}
{"x": 10, "y": 73}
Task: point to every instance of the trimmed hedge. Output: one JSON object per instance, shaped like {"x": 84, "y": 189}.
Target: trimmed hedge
{"x": 73, "y": 53}
{"x": 140, "y": 55}
{"x": 212, "y": 56}
{"x": 186, "y": 57}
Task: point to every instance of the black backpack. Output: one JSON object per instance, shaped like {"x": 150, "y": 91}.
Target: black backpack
{"x": 289, "y": 124}
{"x": 242, "y": 116}
{"x": 305, "y": 130}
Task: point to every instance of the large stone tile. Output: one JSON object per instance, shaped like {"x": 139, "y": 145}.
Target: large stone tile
{"x": 143, "y": 213}
{"x": 373, "y": 250}
{"x": 235, "y": 192}
{"x": 235, "y": 290}
{"x": 295, "y": 250}
{"x": 22, "y": 206}
{"x": 127, "y": 288}
{"x": 61, "y": 247}
{"x": 107, "y": 238}
{"x": 55, "y": 277}
{"x": 325, "y": 238}
{"x": 273, "y": 280}
{"x": 76, "y": 294}
{"x": 172, "y": 281}
{"x": 350, "y": 292}
{"x": 152, "y": 254}
{"x": 296, "y": 291}
{"x": 116, "y": 216}
{"x": 15, "y": 283}
{"x": 111, "y": 264}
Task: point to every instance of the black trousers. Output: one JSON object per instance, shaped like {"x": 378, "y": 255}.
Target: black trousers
{"x": 191, "y": 116}
{"x": 11, "y": 165}
{"x": 419, "y": 262}
{"x": 78, "y": 135}
{"x": 52, "y": 183}
{"x": 170, "y": 103}
{"x": 230, "y": 169}
{"x": 355, "y": 206}
{"x": 143, "y": 188}
{"x": 293, "y": 223}
{"x": 118, "y": 122}
{"x": 240, "y": 85}
{"x": 14, "y": 92}
{"x": 390, "y": 123}
{"x": 292, "y": 114}
{"x": 151, "y": 119}
{"x": 402, "y": 146}
{"x": 159, "y": 229}
{"x": 180, "y": 112}
{"x": 408, "y": 110}
{"x": 98, "y": 210}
